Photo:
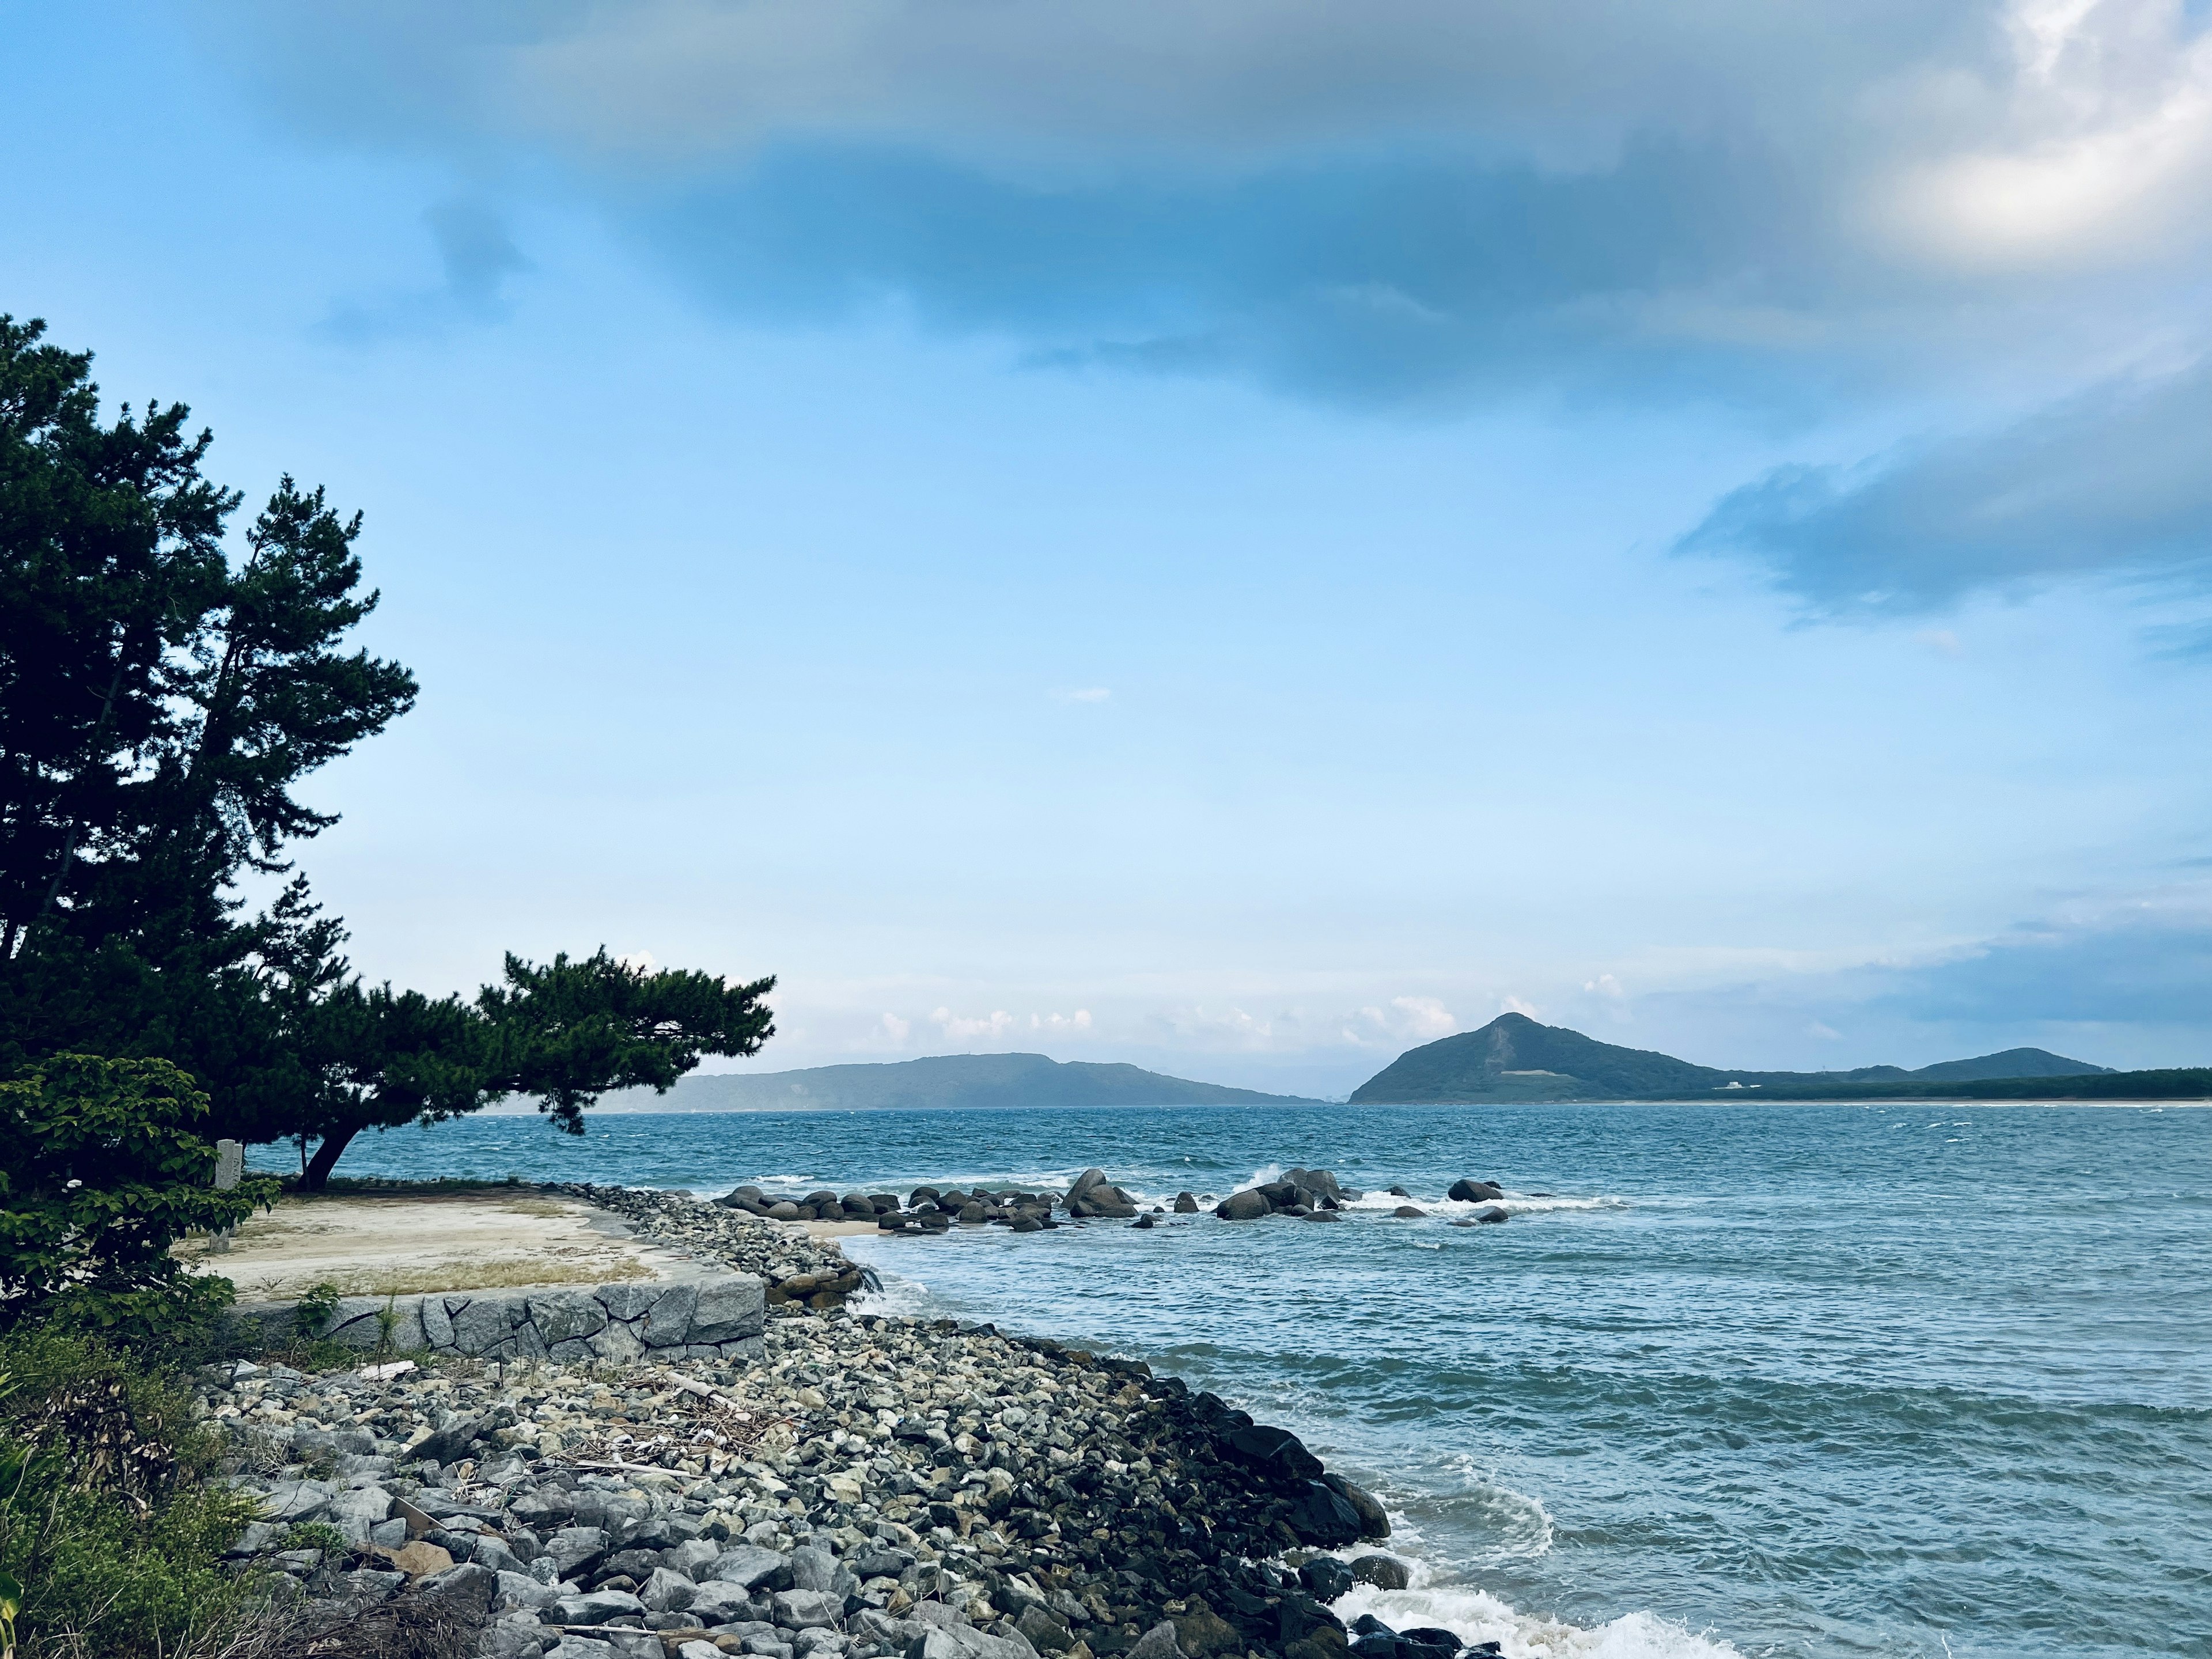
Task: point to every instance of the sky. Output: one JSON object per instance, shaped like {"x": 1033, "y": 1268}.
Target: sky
{"x": 1239, "y": 535}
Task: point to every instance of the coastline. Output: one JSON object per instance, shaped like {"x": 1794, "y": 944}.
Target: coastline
{"x": 874, "y": 1484}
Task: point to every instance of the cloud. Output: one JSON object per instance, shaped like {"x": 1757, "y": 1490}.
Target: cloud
{"x": 2146, "y": 966}
{"x": 2116, "y": 482}
{"x": 1422, "y": 204}
{"x": 897, "y": 1029}
{"x": 1516, "y": 1005}
{"x": 1078, "y": 1021}
{"x": 477, "y": 256}
{"x": 960, "y": 1029}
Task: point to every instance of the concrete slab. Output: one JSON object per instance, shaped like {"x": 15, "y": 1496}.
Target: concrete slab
{"x": 405, "y": 1244}
{"x": 494, "y": 1275}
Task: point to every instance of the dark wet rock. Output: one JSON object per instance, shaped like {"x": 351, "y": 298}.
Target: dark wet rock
{"x": 1397, "y": 1192}
{"x": 1277, "y": 1451}
{"x": 1322, "y": 1516}
{"x": 1430, "y": 1641}
{"x": 1384, "y": 1571}
{"x": 1326, "y": 1578}
{"x": 1374, "y": 1520}
{"x": 1323, "y": 1215}
{"x": 786, "y": 1211}
{"x": 1145, "y": 1221}
{"x": 1473, "y": 1192}
{"x": 1247, "y": 1205}
{"x": 1408, "y": 1212}
{"x": 1489, "y": 1218}
{"x": 1186, "y": 1203}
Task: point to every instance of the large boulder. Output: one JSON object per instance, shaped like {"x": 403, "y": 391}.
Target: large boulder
{"x": 1384, "y": 1571}
{"x": 802, "y": 1609}
{"x": 1473, "y": 1192}
{"x": 1186, "y": 1203}
{"x": 1323, "y": 1518}
{"x": 750, "y": 1568}
{"x": 1374, "y": 1520}
{"x": 597, "y": 1607}
{"x": 1247, "y": 1205}
{"x": 1278, "y": 1452}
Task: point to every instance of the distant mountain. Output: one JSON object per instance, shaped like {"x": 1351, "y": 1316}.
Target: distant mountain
{"x": 1515, "y": 1058}
{"x": 945, "y": 1080}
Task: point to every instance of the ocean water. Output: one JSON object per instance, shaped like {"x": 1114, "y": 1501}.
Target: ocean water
{"x": 1803, "y": 1380}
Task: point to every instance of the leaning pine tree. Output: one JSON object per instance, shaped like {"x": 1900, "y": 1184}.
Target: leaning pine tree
{"x": 160, "y": 701}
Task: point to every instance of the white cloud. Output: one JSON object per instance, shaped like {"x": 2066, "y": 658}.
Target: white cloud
{"x": 1516, "y": 1005}
{"x": 1078, "y": 1021}
{"x": 638, "y": 961}
{"x": 1606, "y": 986}
{"x": 960, "y": 1029}
{"x": 895, "y": 1028}
{"x": 1825, "y": 1032}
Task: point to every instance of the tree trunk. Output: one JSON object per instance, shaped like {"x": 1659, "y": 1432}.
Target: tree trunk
{"x": 332, "y": 1147}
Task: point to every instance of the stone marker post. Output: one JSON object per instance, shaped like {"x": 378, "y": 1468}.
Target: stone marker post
{"x": 229, "y": 1170}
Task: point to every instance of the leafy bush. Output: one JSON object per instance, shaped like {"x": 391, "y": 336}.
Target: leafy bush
{"x": 108, "y": 1520}
{"x": 100, "y": 1173}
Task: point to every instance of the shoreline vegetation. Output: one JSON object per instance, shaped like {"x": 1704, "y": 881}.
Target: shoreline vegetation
{"x": 875, "y": 1485}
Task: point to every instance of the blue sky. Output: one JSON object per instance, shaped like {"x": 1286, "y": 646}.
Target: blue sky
{"x": 1239, "y": 537}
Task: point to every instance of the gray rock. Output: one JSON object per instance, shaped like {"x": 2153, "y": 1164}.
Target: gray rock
{"x": 1043, "y": 1631}
{"x": 1186, "y": 1203}
{"x": 813, "y": 1568}
{"x": 1473, "y": 1192}
{"x": 803, "y": 1609}
{"x": 503, "y": 1640}
{"x": 300, "y": 1500}
{"x": 576, "y": 1549}
{"x": 618, "y": 1342}
{"x": 729, "y": 1307}
{"x": 258, "y": 1537}
{"x": 437, "y": 1323}
{"x": 635, "y": 1644}
{"x": 515, "y": 1590}
{"x": 667, "y": 1323}
{"x": 692, "y": 1559}
{"x": 1247, "y": 1205}
{"x": 720, "y": 1601}
{"x": 354, "y": 1513}
{"x": 1158, "y": 1643}
{"x": 695, "y": 1648}
{"x": 468, "y": 1589}
{"x": 597, "y": 1607}
{"x": 1489, "y": 1218}
{"x": 665, "y": 1591}
{"x": 566, "y": 1316}
{"x": 450, "y": 1444}
{"x": 752, "y": 1568}
{"x": 581, "y": 1647}
{"x": 480, "y": 1324}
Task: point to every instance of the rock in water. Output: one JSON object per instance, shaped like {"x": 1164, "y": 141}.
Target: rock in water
{"x": 1326, "y": 1578}
{"x": 1186, "y": 1203}
{"x": 1473, "y": 1192}
{"x": 1384, "y": 1571}
{"x": 1247, "y": 1205}
{"x": 1407, "y": 1213}
{"x": 1489, "y": 1218}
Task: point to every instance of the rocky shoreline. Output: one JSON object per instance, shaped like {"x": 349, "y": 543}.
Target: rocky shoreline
{"x": 871, "y": 1485}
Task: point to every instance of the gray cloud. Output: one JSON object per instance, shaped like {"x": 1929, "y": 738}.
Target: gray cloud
{"x": 476, "y": 257}
{"x": 2116, "y": 482}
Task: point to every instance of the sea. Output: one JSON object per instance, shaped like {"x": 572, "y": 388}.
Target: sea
{"x": 1830, "y": 1381}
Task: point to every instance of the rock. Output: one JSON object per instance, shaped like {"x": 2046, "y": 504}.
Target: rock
{"x": 1247, "y": 1205}
{"x": 1384, "y": 1571}
{"x": 719, "y": 1601}
{"x": 752, "y": 1568}
{"x": 420, "y": 1558}
{"x": 697, "y": 1649}
{"x": 1473, "y": 1192}
{"x": 1374, "y": 1520}
{"x": 466, "y": 1589}
{"x": 1408, "y": 1212}
{"x": 804, "y": 1610}
{"x": 1279, "y": 1451}
{"x": 666, "y": 1590}
{"x": 1084, "y": 1182}
{"x": 354, "y": 1513}
{"x": 1158, "y": 1643}
{"x": 1202, "y": 1631}
{"x": 1320, "y": 1517}
{"x": 1489, "y": 1218}
{"x": 1431, "y": 1639}
{"x": 1186, "y": 1203}
{"x": 1043, "y": 1629}
{"x": 576, "y": 1550}
{"x": 1326, "y": 1578}
{"x": 1323, "y": 1215}
{"x": 515, "y": 1590}
{"x": 597, "y": 1607}
{"x": 1145, "y": 1221}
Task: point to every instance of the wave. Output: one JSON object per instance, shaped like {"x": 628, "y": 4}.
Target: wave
{"x": 1475, "y": 1615}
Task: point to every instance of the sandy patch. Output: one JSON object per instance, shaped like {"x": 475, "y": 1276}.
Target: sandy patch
{"x": 405, "y": 1245}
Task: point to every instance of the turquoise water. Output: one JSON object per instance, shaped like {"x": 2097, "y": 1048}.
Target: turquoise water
{"x": 1792, "y": 1380}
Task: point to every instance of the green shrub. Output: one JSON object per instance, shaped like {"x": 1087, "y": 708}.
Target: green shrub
{"x": 100, "y": 1173}
{"x": 109, "y": 1521}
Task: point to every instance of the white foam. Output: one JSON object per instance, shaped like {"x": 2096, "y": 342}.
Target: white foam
{"x": 1474, "y": 1615}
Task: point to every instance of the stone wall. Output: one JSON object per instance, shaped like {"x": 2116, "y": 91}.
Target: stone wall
{"x": 712, "y": 1316}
